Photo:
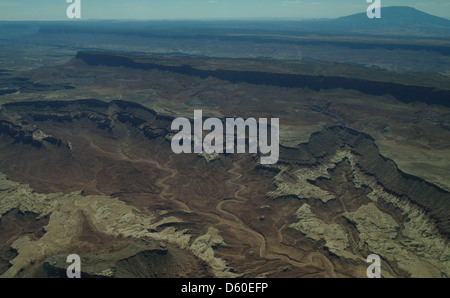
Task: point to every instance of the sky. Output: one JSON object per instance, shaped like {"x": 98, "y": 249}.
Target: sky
{"x": 204, "y": 9}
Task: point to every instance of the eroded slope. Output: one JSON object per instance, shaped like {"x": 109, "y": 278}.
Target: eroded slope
{"x": 103, "y": 179}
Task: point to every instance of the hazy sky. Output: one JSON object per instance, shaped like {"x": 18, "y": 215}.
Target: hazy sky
{"x": 203, "y": 9}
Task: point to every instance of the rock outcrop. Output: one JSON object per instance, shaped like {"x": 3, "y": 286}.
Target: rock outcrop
{"x": 405, "y": 93}
{"x": 109, "y": 234}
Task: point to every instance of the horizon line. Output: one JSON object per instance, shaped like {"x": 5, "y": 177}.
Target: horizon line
{"x": 215, "y": 19}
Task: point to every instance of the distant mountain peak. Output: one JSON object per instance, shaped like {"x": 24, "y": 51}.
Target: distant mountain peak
{"x": 395, "y": 19}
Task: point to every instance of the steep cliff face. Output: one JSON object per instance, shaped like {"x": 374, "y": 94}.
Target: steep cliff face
{"x": 323, "y": 144}
{"x": 357, "y": 201}
{"x": 27, "y": 135}
{"x": 101, "y": 113}
{"x": 404, "y": 93}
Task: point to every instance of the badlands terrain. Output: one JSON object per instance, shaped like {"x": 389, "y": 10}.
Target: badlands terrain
{"x": 87, "y": 168}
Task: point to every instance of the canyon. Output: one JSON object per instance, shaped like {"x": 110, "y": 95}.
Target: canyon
{"x": 98, "y": 177}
